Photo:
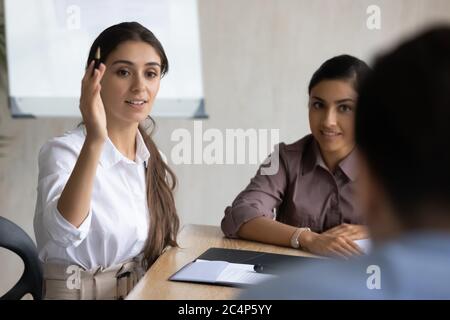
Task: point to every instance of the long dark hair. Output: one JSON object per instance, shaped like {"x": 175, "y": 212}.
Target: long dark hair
{"x": 161, "y": 181}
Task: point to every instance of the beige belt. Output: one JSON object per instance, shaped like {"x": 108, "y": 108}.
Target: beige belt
{"x": 75, "y": 283}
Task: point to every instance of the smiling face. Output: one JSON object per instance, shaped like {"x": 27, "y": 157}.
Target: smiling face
{"x": 332, "y": 116}
{"x": 131, "y": 82}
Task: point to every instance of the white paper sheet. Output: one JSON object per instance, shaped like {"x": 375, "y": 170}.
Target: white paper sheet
{"x": 220, "y": 272}
{"x": 364, "y": 244}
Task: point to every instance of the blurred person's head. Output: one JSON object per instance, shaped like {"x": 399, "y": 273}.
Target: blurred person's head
{"x": 333, "y": 92}
{"x": 402, "y": 132}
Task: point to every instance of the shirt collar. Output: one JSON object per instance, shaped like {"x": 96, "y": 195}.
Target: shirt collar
{"x": 142, "y": 153}
{"x": 349, "y": 165}
{"x": 111, "y": 156}
{"x": 309, "y": 158}
{"x": 313, "y": 158}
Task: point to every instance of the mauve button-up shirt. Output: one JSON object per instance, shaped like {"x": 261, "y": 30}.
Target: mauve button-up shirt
{"x": 303, "y": 192}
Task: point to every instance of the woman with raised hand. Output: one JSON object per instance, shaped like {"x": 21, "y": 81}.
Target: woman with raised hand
{"x": 105, "y": 208}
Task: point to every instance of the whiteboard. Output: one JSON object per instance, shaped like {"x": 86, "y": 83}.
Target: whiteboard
{"x": 47, "y": 44}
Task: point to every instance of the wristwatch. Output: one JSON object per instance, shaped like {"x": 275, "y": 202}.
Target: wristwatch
{"x": 294, "y": 239}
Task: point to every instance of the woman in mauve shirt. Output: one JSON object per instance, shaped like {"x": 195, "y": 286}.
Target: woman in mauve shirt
{"x": 309, "y": 201}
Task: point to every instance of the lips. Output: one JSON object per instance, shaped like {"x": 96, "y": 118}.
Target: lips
{"x": 330, "y": 134}
{"x": 136, "y": 103}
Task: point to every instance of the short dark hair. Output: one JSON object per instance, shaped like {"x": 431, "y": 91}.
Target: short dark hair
{"x": 344, "y": 67}
{"x": 403, "y": 122}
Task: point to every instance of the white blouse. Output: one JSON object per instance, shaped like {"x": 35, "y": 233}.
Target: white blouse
{"x": 117, "y": 224}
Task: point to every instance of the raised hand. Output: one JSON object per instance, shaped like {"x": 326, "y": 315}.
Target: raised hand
{"x": 91, "y": 104}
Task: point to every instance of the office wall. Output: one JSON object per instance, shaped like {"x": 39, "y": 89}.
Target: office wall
{"x": 258, "y": 56}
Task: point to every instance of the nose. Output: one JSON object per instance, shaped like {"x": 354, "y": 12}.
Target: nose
{"x": 138, "y": 84}
{"x": 329, "y": 118}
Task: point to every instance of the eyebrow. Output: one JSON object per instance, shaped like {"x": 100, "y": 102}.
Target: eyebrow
{"x": 338, "y": 101}
{"x": 132, "y": 64}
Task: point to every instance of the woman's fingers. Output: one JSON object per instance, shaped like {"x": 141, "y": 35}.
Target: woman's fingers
{"x": 91, "y": 81}
{"x": 88, "y": 72}
{"x": 330, "y": 232}
{"x": 359, "y": 232}
{"x": 97, "y": 77}
{"x": 337, "y": 232}
{"x": 102, "y": 69}
{"x": 97, "y": 89}
{"x": 339, "y": 246}
{"x": 340, "y": 229}
{"x": 93, "y": 76}
{"x": 358, "y": 235}
{"x": 357, "y": 249}
{"x": 355, "y": 232}
{"x": 90, "y": 88}
{"x": 98, "y": 73}
{"x": 346, "y": 247}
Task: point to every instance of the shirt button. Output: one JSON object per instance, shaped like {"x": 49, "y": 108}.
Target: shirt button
{"x": 334, "y": 202}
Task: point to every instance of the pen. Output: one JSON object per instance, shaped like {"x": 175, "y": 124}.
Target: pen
{"x": 96, "y": 60}
{"x": 258, "y": 268}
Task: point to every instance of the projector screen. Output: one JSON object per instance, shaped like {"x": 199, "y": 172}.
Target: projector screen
{"x": 47, "y": 44}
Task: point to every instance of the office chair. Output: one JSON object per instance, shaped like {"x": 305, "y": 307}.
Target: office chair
{"x": 14, "y": 238}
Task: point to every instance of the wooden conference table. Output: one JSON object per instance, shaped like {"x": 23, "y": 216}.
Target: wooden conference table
{"x": 193, "y": 241}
